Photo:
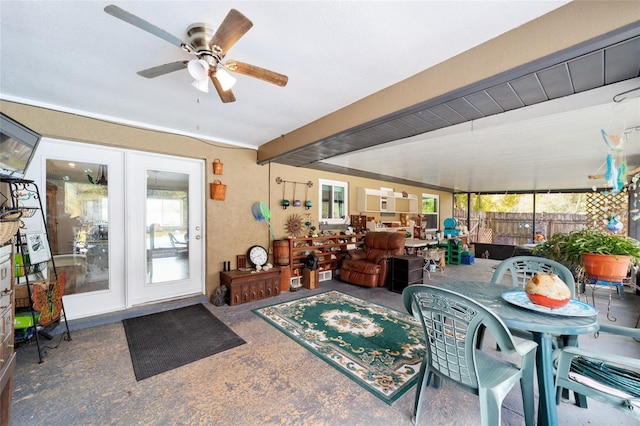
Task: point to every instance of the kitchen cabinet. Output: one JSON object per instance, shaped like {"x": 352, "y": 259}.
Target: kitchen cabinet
{"x": 381, "y": 201}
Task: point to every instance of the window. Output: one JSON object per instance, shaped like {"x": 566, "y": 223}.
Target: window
{"x": 333, "y": 201}
{"x": 524, "y": 218}
{"x": 430, "y": 211}
{"x": 165, "y": 212}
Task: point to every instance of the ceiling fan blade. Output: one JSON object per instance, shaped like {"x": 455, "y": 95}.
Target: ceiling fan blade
{"x": 234, "y": 26}
{"x": 163, "y": 69}
{"x": 227, "y": 96}
{"x": 143, "y": 25}
{"x": 257, "y": 72}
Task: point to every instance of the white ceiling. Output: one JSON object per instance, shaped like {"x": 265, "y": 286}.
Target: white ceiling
{"x": 72, "y": 56}
{"x": 554, "y": 145}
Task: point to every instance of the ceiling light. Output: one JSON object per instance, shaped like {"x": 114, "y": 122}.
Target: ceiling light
{"x": 226, "y": 80}
{"x": 198, "y": 68}
{"x": 201, "y": 85}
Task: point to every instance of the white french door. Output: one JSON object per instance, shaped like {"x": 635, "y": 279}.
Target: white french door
{"x": 164, "y": 227}
{"x": 86, "y": 222}
{"x": 112, "y": 214}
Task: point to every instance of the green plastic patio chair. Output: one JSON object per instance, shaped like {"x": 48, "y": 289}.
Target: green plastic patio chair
{"x": 522, "y": 269}
{"x": 451, "y": 322}
{"x": 609, "y": 378}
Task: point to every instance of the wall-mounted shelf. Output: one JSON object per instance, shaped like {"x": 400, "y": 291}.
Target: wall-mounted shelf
{"x": 379, "y": 201}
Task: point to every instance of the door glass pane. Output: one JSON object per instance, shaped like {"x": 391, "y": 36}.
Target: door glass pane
{"x": 167, "y": 226}
{"x": 78, "y": 223}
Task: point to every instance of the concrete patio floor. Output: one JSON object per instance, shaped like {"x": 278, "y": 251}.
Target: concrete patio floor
{"x": 271, "y": 380}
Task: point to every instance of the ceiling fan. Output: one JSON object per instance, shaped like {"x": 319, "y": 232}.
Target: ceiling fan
{"x": 209, "y": 49}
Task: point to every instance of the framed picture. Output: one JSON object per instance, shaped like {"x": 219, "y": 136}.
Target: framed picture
{"x": 38, "y": 247}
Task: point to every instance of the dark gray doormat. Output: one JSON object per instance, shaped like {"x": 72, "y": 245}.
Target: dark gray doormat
{"x": 166, "y": 340}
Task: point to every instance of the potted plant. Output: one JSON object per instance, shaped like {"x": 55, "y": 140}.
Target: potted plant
{"x": 605, "y": 256}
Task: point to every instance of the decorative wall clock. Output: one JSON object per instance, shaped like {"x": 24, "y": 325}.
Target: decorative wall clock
{"x": 257, "y": 255}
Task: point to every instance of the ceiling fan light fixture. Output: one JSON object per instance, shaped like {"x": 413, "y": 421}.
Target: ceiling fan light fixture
{"x": 201, "y": 85}
{"x": 226, "y": 80}
{"x": 209, "y": 46}
{"x": 198, "y": 68}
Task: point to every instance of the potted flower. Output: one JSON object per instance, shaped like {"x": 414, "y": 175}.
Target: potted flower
{"x": 605, "y": 256}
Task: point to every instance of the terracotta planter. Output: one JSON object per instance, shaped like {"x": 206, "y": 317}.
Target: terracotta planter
{"x": 605, "y": 267}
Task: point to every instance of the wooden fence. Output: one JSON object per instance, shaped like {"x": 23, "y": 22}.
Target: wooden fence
{"x": 518, "y": 228}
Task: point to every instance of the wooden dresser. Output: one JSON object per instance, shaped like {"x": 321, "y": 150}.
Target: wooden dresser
{"x": 7, "y": 355}
{"x": 243, "y": 287}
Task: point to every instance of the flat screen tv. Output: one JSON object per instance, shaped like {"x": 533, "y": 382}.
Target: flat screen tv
{"x": 17, "y": 146}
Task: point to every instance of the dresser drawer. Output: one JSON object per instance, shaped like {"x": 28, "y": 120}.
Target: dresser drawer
{"x": 6, "y": 335}
{"x": 5, "y": 283}
{"x": 408, "y": 276}
{"x": 5, "y": 253}
{"x": 406, "y": 263}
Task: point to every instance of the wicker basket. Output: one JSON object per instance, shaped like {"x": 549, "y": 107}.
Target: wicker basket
{"x": 28, "y": 211}
{"x": 217, "y": 166}
{"x": 218, "y": 190}
{"x": 8, "y": 229}
{"x": 22, "y": 295}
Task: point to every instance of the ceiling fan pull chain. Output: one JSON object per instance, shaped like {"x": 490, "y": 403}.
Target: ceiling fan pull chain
{"x": 197, "y": 113}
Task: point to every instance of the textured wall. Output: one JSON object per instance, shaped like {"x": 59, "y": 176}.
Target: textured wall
{"x": 231, "y": 227}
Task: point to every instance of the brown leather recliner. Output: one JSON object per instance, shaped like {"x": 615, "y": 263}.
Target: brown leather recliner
{"x": 367, "y": 266}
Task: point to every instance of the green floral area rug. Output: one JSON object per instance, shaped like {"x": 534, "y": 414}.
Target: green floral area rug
{"x": 379, "y": 348}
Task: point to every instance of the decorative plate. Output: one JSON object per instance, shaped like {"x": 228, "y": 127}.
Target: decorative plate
{"x": 574, "y": 308}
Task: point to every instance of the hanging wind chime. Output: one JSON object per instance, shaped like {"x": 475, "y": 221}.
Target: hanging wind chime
{"x": 296, "y": 202}
{"x": 616, "y": 174}
{"x": 285, "y": 202}
{"x": 307, "y": 202}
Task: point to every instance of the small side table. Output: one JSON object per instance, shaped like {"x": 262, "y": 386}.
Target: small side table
{"x": 404, "y": 271}
{"x": 415, "y": 246}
